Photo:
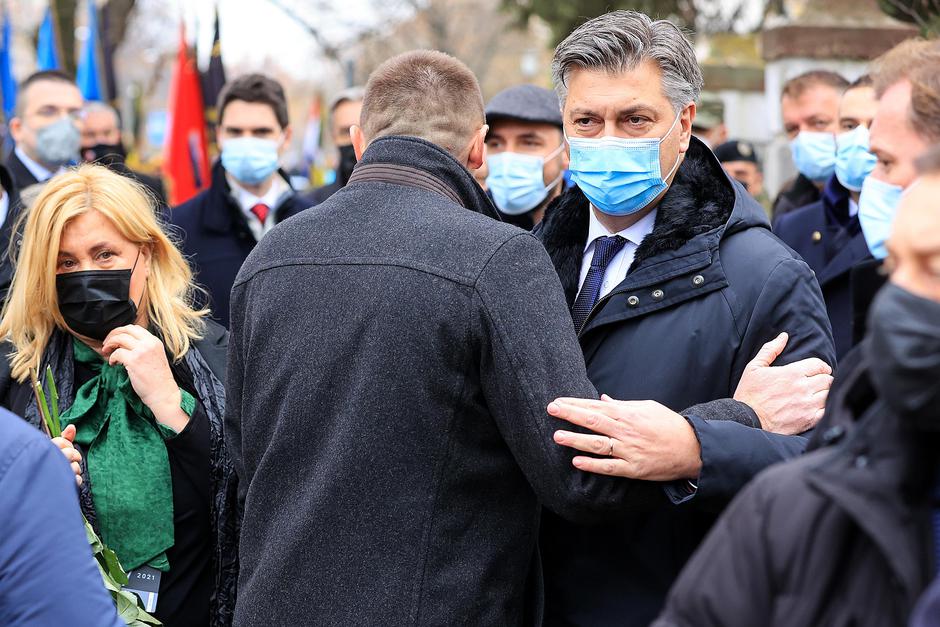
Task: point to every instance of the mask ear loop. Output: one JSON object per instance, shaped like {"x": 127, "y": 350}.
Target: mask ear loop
{"x": 675, "y": 166}
{"x": 133, "y": 268}
{"x": 552, "y": 155}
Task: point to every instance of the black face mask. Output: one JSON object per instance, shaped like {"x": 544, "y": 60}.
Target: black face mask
{"x": 105, "y": 154}
{"x": 347, "y": 161}
{"x": 904, "y": 355}
{"x": 95, "y": 302}
{"x": 743, "y": 183}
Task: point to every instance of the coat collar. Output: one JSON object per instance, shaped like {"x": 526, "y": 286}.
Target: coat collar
{"x": 415, "y": 154}
{"x": 222, "y": 213}
{"x": 700, "y": 207}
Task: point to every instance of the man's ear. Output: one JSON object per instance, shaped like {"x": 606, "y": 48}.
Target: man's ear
{"x": 477, "y": 155}
{"x": 359, "y": 142}
{"x": 16, "y": 129}
{"x": 288, "y": 133}
{"x": 686, "y": 117}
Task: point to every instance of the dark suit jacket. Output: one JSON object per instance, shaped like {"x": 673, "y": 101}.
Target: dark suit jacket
{"x": 22, "y": 177}
{"x": 831, "y": 242}
{"x": 6, "y": 229}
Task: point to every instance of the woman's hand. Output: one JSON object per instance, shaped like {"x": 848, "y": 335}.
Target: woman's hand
{"x": 144, "y": 357}
{"x": 64, "y": 442}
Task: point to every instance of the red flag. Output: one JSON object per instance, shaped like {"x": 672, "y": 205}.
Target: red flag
{"x": 185, "y": 159}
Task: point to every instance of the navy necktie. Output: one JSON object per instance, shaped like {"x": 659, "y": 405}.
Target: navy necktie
{"x": 605, "y": 248}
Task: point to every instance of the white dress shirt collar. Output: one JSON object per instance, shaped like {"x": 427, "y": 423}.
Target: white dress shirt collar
{"x": 272, "y": 198}
{"x": 39, "y": 171}
{"x": 4, "y": 206}
{"x": 634, "y": 234}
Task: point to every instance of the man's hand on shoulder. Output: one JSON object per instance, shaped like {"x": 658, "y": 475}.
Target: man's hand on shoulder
{"x": 787, "y": 399}
{"x": 640, "y": 439}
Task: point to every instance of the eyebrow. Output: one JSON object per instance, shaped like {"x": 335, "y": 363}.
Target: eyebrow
{"x": 253, "y": 129}
{"x": 621, "y": 113}
{"x": 531, "y": 135}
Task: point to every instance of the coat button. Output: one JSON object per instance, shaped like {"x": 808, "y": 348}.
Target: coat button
{"x": 658, "y": 294}
{"x": 817, "y": 237}
{"x": 861, "y": 461}
{"x": 698, "y": 280}
{"x": 633, "y": 301}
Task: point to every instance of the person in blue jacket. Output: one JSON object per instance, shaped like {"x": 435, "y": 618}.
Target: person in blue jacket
{"x": 47, "y": 573}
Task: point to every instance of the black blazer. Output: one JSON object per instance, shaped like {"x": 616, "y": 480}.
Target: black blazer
{"x": 22, "y": 177}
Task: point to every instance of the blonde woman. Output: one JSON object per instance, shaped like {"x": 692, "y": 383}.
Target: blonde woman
{"x": 102, "y": 296}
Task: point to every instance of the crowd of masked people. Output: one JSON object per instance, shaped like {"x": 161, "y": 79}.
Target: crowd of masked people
{"x": 552, "y": 359}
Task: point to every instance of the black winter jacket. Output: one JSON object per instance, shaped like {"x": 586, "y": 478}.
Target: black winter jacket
{"x": 708, "y": 287}
{"x": 388, "y": 421}
{"x": 216, "y": 239}
{"x": 202, "y": 373}
{"x": 839, "y": 537}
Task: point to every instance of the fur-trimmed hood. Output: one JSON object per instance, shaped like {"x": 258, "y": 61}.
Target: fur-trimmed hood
{"x": 702, "y": 206}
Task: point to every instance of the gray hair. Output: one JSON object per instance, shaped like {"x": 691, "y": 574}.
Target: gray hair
{"x": 618, "y": 42}
{"x": 93, "y": 106}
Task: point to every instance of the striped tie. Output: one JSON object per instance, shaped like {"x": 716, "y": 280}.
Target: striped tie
{"x": 605, "y": 249}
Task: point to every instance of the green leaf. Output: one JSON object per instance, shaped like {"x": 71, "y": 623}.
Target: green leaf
{"x": 43, "y": 407}
{"x": 97, "y": 546}
{"x": 126, "y": 603}
{"x": 114, "y": 566}
{"x": 53, "y": 399}
{"x": 109, "y": 583}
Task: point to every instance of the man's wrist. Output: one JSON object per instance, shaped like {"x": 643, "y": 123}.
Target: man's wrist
{"x": 693, "y": 455}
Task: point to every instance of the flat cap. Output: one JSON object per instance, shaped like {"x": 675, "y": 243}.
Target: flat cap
{"x": 735, "y": 150}
{"x": 528, "y": 103}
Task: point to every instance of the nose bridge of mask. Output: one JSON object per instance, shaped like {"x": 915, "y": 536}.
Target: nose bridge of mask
{"x": 858, "y": 136}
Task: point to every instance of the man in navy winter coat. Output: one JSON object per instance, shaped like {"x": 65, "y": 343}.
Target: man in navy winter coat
{"x": 674, "y": 282}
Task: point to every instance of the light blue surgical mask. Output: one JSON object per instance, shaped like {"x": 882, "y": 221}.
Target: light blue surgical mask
{"x": 814, "y": 155}
{"x": 876, "y": 208}
{"x": 853, "y": 160}
{"x": 250, "y": 160}
{"x": 620, "y": 176}
{"x": 517, "y": 181}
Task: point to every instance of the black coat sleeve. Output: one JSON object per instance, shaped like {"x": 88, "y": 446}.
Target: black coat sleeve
{"x": 530, "y": 356}
{"x": 727, "y": 583}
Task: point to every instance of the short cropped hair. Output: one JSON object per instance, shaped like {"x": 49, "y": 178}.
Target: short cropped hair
{"x": 917, "y": 61}
{"x": 425, "y": 94}
{"x": 619, "y": 41}
{"x": 256, "y": 88}
{"x": 796, "y": 86}
{"x": 928, "y": 164}
{"x": 54, "y": 76}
